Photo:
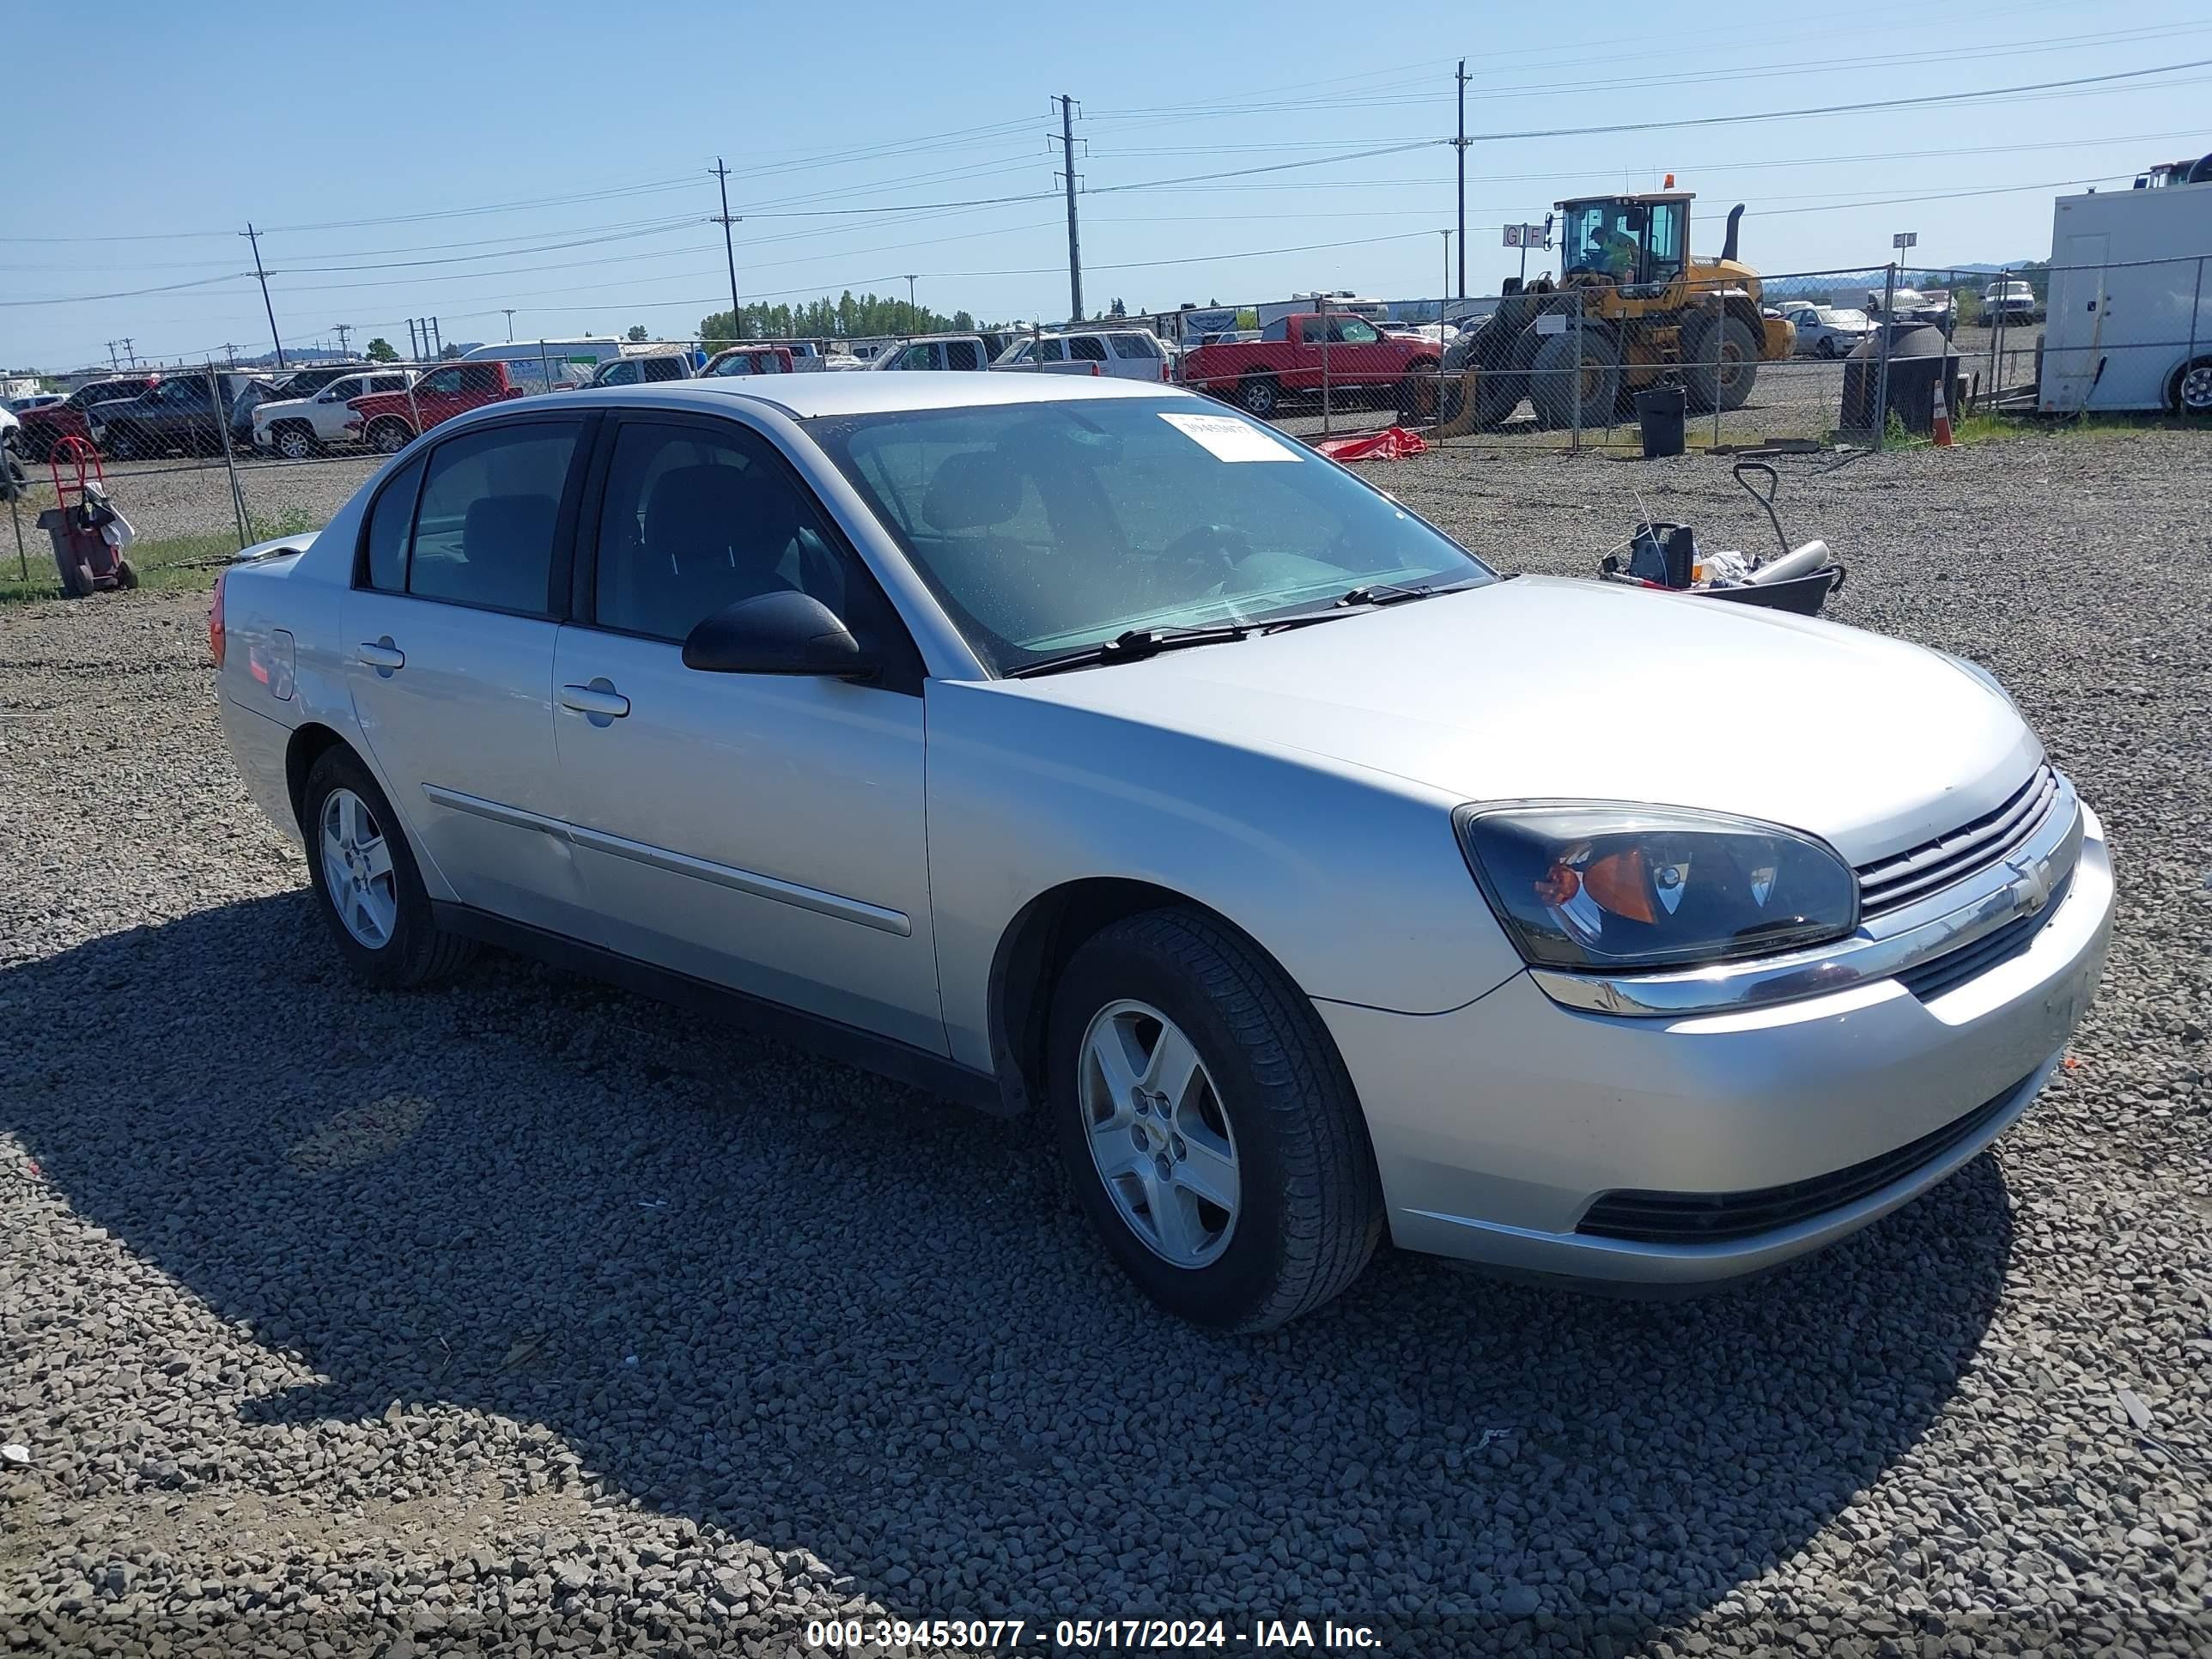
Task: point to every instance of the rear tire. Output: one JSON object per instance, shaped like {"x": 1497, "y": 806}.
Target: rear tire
{"x": 392, "y": 941}
{"x": 2192, "y": 391}
{"x": 1267, "y": 1091}
{"x": 126, "y": 573}
{"x": 389, "y": 437}
{"x": 1260, "y": 395}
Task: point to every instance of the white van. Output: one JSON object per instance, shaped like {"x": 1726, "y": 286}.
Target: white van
{"x": 935, "y": 351}
{"x": 548, "y": 365}
{"x": 2128, "y": 318}
{"x": 1120, "y": 354}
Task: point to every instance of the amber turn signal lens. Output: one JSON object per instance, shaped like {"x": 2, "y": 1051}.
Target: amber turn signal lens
{"x": 1618, "y": 884}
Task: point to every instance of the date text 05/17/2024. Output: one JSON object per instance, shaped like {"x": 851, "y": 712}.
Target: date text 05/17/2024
{"x": 1085, "y": 1635}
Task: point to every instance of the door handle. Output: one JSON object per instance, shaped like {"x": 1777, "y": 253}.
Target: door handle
{"x": 383, "y": 655}
{"x": 599, "y": 699}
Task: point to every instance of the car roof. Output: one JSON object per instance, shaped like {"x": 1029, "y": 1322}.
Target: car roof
{"x": 806, "y": 397}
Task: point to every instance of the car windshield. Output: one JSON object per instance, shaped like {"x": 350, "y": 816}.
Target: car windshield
{"x": 1043, "y": 527}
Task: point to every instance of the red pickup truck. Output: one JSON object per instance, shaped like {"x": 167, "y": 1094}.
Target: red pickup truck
{"x": 388, "y": 421}
{"x": 1285, "y": 362}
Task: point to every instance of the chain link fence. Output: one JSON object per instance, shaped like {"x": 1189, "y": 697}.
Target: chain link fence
{"x": 203, "y": 458}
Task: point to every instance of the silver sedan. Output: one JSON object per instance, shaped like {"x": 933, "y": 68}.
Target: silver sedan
{"x": 1077, "y": 747}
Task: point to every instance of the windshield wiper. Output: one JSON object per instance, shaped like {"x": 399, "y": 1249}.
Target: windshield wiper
{"x": 1133, "y": 646}
{"x": 1371, "y": 597}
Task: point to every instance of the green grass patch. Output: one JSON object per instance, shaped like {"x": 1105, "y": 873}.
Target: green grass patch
{"x": 1987, "y": 428}
{"x": 166, "y": 564}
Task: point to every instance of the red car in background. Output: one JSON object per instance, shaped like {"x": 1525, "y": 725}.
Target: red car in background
{"x": 388, "y": 421}
{"x": 43, "y": 428}
{"x": 1286, "y": 362}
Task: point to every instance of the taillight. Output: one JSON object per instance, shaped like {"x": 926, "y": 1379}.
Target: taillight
{"x": 215, "y": 639}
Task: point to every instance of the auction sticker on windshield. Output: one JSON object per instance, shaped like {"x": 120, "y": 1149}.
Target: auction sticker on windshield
{"x": 1228, "y": 439}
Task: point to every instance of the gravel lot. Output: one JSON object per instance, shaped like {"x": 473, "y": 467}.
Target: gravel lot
{"x": 403, "y": 1323}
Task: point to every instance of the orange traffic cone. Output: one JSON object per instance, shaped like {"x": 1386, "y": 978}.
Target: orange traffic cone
{"x": 1942, "y": 418}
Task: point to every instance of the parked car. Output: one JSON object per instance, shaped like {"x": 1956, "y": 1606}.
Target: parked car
{"x": 296, "y": 427}
{"x": 936, "y": 351}
{"x": 43, "y": 428}
{"x": 741, "y": 360}
{"x": 1286, "y": 362}
{"x": 645, "y": 368}
{"x": 306, "y": 382}
{"x": 2012, "y": 301}
{"x": 1911, "y": 305}
{"x": 1124, "y": 354}
{"x": 1067, "y": 745}
{"x": 23, "y": 405}
{"x": 1827, "y": 331}
{"x": 390, "y": 420}
{"x": 186, "y": 411}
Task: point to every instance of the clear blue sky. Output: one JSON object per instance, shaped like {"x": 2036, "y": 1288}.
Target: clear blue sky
{"x": 359, "y": 148}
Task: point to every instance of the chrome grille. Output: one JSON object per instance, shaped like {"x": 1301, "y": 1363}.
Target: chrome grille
{"x": 1887, "y": 883}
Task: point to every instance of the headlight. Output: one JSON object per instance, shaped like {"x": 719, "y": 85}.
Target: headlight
{"x": 1625, "y": 888}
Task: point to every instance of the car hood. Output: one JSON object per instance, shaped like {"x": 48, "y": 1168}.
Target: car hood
{"x": 1545, "y": 689}
{"x": 281, "y": 406}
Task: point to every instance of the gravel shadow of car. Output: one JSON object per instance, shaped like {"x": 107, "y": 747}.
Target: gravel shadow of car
{"x": 821, "y": 1310}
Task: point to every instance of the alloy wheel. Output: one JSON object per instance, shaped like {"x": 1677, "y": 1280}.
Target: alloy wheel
{"x": 1159, "y": 1133}
{"x": 357, "y": 869}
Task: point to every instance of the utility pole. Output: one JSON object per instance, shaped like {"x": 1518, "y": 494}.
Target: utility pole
{"x": 230, "y": 352}
{"x": 437, "y": 338}
{"x": 913, "y": 315}
{"x": 729, "y": 251}
{"x": 265, "y": 306}
{"x": 414, "y": 347}
{"x": 1459, "y": 144}
{"x": 343, "y": 330}
{"x": 112, "y": 364}
{"x": 508, "y": 311}
{"x": 130, "y": 357}
{"x": 1075, "y": 240}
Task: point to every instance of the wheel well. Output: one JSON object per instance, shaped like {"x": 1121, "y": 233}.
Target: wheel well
{"x": 308, "y": 742}
{"x": 1032, "y": 953}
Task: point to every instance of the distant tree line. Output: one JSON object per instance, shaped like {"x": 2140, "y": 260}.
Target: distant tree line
{"x": 847, "y": 317}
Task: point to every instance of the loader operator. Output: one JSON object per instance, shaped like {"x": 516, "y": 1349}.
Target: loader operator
{"x": 1619, "y": 253}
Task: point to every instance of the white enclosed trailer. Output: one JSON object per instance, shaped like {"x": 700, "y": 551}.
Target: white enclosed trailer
{"x": 2127, "y": 325}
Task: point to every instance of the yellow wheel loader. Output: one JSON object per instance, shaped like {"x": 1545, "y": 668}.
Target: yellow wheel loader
{"x": 1632, "y": 307}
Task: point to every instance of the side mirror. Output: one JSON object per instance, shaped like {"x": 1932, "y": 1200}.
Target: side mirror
{"x": 785, "y": 632}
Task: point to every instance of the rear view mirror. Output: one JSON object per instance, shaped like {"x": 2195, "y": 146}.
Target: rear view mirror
{"x": 782, "y": 633}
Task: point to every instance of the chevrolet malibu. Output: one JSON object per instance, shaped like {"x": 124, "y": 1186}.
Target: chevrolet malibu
{"x": 1073, "y": 746}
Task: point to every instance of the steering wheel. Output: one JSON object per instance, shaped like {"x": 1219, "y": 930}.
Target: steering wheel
{"x": 1214, "y": 548}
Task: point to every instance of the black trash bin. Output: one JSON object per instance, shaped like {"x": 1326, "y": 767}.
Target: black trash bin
{"x": 1660, "y": 411}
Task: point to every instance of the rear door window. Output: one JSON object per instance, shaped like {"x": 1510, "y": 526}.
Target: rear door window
{"x": 963, "y": 354}
{"x": 485, "y": 530}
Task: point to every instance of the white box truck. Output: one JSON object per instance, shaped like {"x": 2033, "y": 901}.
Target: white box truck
{"x": 2128, "y": 324}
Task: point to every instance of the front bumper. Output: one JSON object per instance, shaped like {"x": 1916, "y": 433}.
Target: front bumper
{"x": 1497, "y": 1127}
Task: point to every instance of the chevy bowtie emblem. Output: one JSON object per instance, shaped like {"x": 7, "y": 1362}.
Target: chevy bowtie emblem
{"x": 2032, "y": 890}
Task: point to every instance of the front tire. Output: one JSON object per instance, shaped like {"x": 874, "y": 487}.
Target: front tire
{"x": 294, "y": 443}
{"x": 1208, "y": 1124}
{"x": 1720, "y": 362}
{"x": 365, "y": 880}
